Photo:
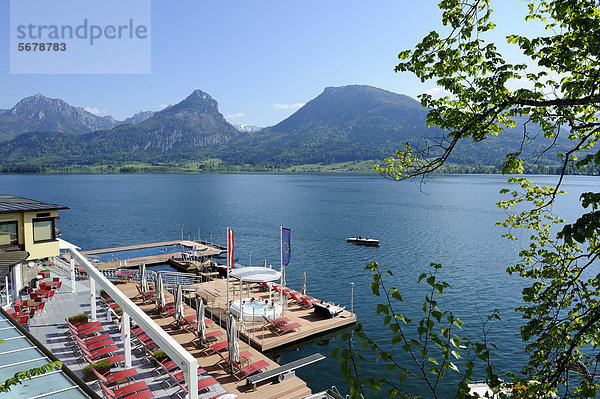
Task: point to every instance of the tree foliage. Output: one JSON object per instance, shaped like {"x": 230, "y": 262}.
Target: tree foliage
{"x": 560, "y": 97}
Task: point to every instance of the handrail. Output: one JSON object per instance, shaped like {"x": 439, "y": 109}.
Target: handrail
{"x": 168, "y": 344}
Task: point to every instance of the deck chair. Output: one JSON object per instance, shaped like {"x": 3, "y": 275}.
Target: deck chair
{"x": 118, "y": 359}
{"x": 283, "y": 329}
{"x": 138, "y": 390}
{"x": 253, "y": 368}
{"x": 82, "y": 327}
{"x": 146, "y": 296}
{"x": 218, "y": 347}
{"x": 94, "y": 339}
{"x": 100, "y": 353}
{"x": 202, "y": 384}
{"x": 95, "y": 345}
{"x": 112, "y": 379}
{"x": 307, "y": 301}
{"x": 282, "y": 321}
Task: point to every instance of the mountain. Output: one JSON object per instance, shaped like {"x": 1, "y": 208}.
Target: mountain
{"x": 139, "y": 117}
{"x": 179, "y": 132}
{"x": 39, "y": 113}
{"x": 341, "y": 124}
{"x": 192, "y": 123}
{"x": 246, "y": 128}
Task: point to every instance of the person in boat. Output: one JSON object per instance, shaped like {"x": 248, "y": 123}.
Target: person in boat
{"x": 360, "y": 237}
{"x": 367, "y": 238}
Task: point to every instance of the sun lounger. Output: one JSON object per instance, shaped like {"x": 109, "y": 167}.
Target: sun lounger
{"x": 100, "y": 353}
{"x": 139, "y": 390}
{"x": 118, "y": 359}
{"x": 280, "y": 321}
{"x": 253, "y": 368}
{"x": 110, "y": 379}
{"x": 283, "y": 329}
{"x": 308, "y": 301}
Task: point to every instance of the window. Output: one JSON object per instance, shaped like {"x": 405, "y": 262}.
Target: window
{"x": 9, "y": 233}
{"x": 43, "y": 230}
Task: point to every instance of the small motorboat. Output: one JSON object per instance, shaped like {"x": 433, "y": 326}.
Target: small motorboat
{"x": 363, "y": 241}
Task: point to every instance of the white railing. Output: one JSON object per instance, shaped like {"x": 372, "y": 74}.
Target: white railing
{"x": 5, "y": 296}
{"x": 171, "y": 279}
{"x": 174, "y": 350}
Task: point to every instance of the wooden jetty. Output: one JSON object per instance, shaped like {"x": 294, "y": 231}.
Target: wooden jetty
{"x": 203, "y": 250}
{"x": 289, "y": 388}
{"x": 214, "y": 294}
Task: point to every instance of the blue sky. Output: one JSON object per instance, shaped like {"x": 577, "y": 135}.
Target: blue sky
{"x": 259, "y": 59}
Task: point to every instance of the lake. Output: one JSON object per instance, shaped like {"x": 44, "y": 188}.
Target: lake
{"x": 449, "y": 220}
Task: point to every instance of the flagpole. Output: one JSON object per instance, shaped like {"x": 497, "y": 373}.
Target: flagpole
{"x": 281, "y": 265}
{"x": 228, "y": 267}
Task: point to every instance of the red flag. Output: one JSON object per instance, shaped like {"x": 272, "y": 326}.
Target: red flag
{"x": 230, "y": 248}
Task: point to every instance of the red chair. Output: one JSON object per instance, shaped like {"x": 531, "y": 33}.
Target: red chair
{"x": 253, "y": 368}
{"x": 120, "y": 359}
{"x": 139, "y": 390}
{"x": 41, "y": 306}
{"x": 110, "y": 379}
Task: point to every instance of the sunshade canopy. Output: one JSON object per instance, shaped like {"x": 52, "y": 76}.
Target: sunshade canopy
{"x": 255, "y": 274}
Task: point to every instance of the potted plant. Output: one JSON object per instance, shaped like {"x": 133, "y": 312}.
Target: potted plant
{"x": 78, "y": 319}
{"x": 45, "y": 273}
{"x": 119, "y": 311}
{"x": 160, "y": 356}
{"x": 101, "y": 367}
{"x": 103, "y": 294}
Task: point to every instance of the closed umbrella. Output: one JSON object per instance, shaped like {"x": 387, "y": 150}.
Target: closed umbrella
{"x": 143, "y": 282}
{"x": 179, "y": 309}
{"x": 162, "y": 301}
{"x": 157, "y": 288}
{"x": 265, "y": 263}
{"x": 231, "y": 336}
{"x": 200, "y": 324}
{"x": 303, "y": 290}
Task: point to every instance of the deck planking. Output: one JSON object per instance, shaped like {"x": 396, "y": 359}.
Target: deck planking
{"x": 203, "y": 250}
{"x": 292, "y": 388}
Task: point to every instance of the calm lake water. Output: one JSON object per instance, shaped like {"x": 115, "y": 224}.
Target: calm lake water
{"x": 449, "y": 220}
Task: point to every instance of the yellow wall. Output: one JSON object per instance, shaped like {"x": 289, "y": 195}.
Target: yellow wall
{"x": 36, "y": 251}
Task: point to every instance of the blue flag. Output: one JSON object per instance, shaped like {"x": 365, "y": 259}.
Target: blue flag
{"x": 286, "y": 249}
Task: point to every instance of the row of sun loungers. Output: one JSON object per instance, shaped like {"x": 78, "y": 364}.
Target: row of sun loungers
{"x": 94, "y": 344}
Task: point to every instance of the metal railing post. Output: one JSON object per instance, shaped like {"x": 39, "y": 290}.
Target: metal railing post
{"x": 72, "y": 264}
{"x": 125, "y": 328}
{"x": 93, "y": 297}
{"x": 352, "y": 298}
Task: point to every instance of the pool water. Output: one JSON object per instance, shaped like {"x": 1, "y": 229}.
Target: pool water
{"x": 254, "y": 311}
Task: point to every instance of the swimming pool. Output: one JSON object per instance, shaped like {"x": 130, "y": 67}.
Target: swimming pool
{"x": 254, "y": 311}
{"x": 138, "y": 253}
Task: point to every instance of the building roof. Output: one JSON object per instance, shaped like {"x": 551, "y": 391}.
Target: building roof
{"x": 22, "y": 352}
{"x": 9, "y": 259}
{"x": 10, "y": 203}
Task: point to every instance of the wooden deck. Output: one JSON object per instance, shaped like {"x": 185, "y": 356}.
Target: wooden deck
{"x": 203, "y": 250}
{"x": 291, "y": 388}
{"x": 214, "y": 294}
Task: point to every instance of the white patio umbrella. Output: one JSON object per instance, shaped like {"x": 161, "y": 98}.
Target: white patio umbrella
{"x": 200, "y": 323}
{"x": 303, "y": 290}
{"x": 179, "y": 309}
{"x": 231, "y": 339}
